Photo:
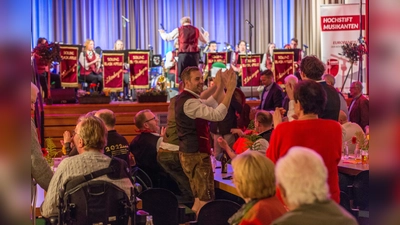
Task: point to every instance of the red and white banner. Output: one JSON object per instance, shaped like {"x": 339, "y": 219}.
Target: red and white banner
{"x": 283, "y": 66}
{"x": 113, "y": 71}
{"x": 213, "y": 57}
{"x": 340, "y": 25}
{"x": 250, "y": 69}
{"x": 69, "y": 66}
{"x": 139, "y": 64}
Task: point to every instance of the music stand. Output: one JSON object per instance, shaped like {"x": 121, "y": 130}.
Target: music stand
{"x": 238, "y": 61}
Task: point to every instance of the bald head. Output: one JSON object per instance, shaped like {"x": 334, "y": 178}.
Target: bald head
{"x": 108, "y": 118}
{"x": 34, "y": 93}
{"x": 342, "y": 117}
{"x": 291, "y": 79}
{"x": 330, "y": 79}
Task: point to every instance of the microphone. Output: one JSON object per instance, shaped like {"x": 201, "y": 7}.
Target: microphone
{"x": 248, "y": 22}
{"x": 126, "y": 19}
{"x": 305, "y": 46}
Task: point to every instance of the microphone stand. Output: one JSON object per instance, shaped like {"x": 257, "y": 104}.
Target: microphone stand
{"x": 251, "y": 26}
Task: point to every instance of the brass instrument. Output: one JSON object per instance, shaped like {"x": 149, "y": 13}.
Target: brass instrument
{"x": 206, "y": 72}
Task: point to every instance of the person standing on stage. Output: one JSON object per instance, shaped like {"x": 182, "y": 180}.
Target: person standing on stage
{"x": 171, "y": 63}
{"x": 90, "y": 62}
{"x": 267, "y": 58}
{"x": 188, "y": 37}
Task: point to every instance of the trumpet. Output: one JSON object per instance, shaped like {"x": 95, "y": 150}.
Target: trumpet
{"x": 205, "y": 73}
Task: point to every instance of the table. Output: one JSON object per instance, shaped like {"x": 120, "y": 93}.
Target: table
{"x": 348, "y": 166}
{"x": 224, "y": 184}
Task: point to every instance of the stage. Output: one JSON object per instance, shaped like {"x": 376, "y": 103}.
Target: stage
{"x": 62, "y": 117}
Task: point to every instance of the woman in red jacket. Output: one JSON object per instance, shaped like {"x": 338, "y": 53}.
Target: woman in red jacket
{"x": 323, "y": 136}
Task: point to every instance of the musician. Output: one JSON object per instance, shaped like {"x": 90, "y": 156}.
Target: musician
{"x": 90, "y": 62}
{"x": 119, "y": 45}
{"x": 171, "y": 63}
{"x": 293, "y": 45}
{"x": 240, "y": 50}
{"x": 42, "y": 69}
{"x": 212, "y": 46}
{"x": 188, "y": 37}
{"x": 268, "y": 58}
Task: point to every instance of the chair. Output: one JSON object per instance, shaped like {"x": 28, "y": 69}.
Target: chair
{"x": 162, "y": 204}
{"x": 217, "y": 212}
{"x": 361, "y": 191}
{"x": 141, "y": 178}
{"x": 94, "y": 202}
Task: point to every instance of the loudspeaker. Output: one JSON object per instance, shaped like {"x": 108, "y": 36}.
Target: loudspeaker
{"x": 63, "y": 96}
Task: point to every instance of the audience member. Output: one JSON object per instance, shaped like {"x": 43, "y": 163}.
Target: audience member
{"x": 290, "y": 80}
{"x": 168, "y": 153}
{"x": 359, "y": 106}
{"x": 330, "y": 80}
{"x": 192, "y": 116}
{"x": 40, "y": 170}
{"x": 254, "y": 179}
{"x": 90, "y": 137}
{"x": 301, "y": 177}
{"x": 117, "y": 145}
{"x": 145, "y": 145}
{"x": 323, "y": 136}
{"x": 272, "y": 95}
{"x": 311, "y": 68}
{"x": 263, "y": 126}
{"x": 350, "y": 130}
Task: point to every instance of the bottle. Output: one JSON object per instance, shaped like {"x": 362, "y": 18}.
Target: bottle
{"x": 224, "y": 163}
{"x": 213, "y": 160}
{"x": 345, "y": 151}
{"x": 149, "y": 220}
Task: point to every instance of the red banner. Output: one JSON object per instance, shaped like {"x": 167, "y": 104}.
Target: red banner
{"x": 69, "y": 66}
{"x": 113, "y": 71}
{"x": 213, "y": 57}
{"x": 139, "y": 64}
{"x": 283, "y": 66}
{"x": 250, "y": 65}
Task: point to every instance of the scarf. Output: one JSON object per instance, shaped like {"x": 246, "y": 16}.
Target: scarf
{"x": 238, "y": 216}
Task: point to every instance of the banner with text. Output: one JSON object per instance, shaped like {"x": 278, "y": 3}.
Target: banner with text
{"x": 213, "y": 57}
{"x": 283, "y": 66}
{"x": 113, "y": 71}
{"x": 69, "y": 66}
{"x": 139, "y": 64}
{"x": 340, "y": 25}
{"x": 250, "y": 65}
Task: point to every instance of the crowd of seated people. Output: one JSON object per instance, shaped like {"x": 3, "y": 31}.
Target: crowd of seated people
{"x": 313, "y": 121}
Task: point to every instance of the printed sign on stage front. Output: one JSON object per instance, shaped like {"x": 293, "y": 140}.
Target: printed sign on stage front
{"x": 283, "y": 66}
{"x": 139, "y": 64}
{"x": 213, "y": 57}
{"x": 113, "y": 71}
{"x": 69, "y": 66}
{"x": 250, "y": 69}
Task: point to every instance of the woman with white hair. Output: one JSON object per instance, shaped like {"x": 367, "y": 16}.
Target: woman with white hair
{"x": 301, "y": 176}
{"x": 254, "y": 179}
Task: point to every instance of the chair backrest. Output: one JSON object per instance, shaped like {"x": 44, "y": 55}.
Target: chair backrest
{"x": 361, "y": 190}
{"x": 95, "y": 202}
{"x": 217, "y": 212}
{"x": 162, "y": 204}
{"x": 140, "y": 177}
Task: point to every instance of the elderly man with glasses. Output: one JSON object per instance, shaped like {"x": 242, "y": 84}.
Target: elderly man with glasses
{"x": 144, "y": 148}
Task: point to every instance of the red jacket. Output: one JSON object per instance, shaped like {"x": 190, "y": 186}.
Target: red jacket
{"x": 322, "y": 136}
{"x": 188, "y": 39}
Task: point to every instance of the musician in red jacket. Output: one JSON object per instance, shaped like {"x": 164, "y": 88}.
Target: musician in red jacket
{"x": 188, "y": 37}
{"x": 90, "y": 63}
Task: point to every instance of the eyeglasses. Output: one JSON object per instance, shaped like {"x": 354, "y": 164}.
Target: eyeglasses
{"x": 154, "y": 118}
{"x": 73, "y": 133}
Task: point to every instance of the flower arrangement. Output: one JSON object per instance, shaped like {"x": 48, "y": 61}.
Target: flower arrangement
{"x": 152, "y": 92}
{"x": 352, "y": 51}
{"x": 251, "y": 139}
{"x": 48, "y": 53}
{"x": 361, "y": 140}
{"x": 50, "y": 151}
